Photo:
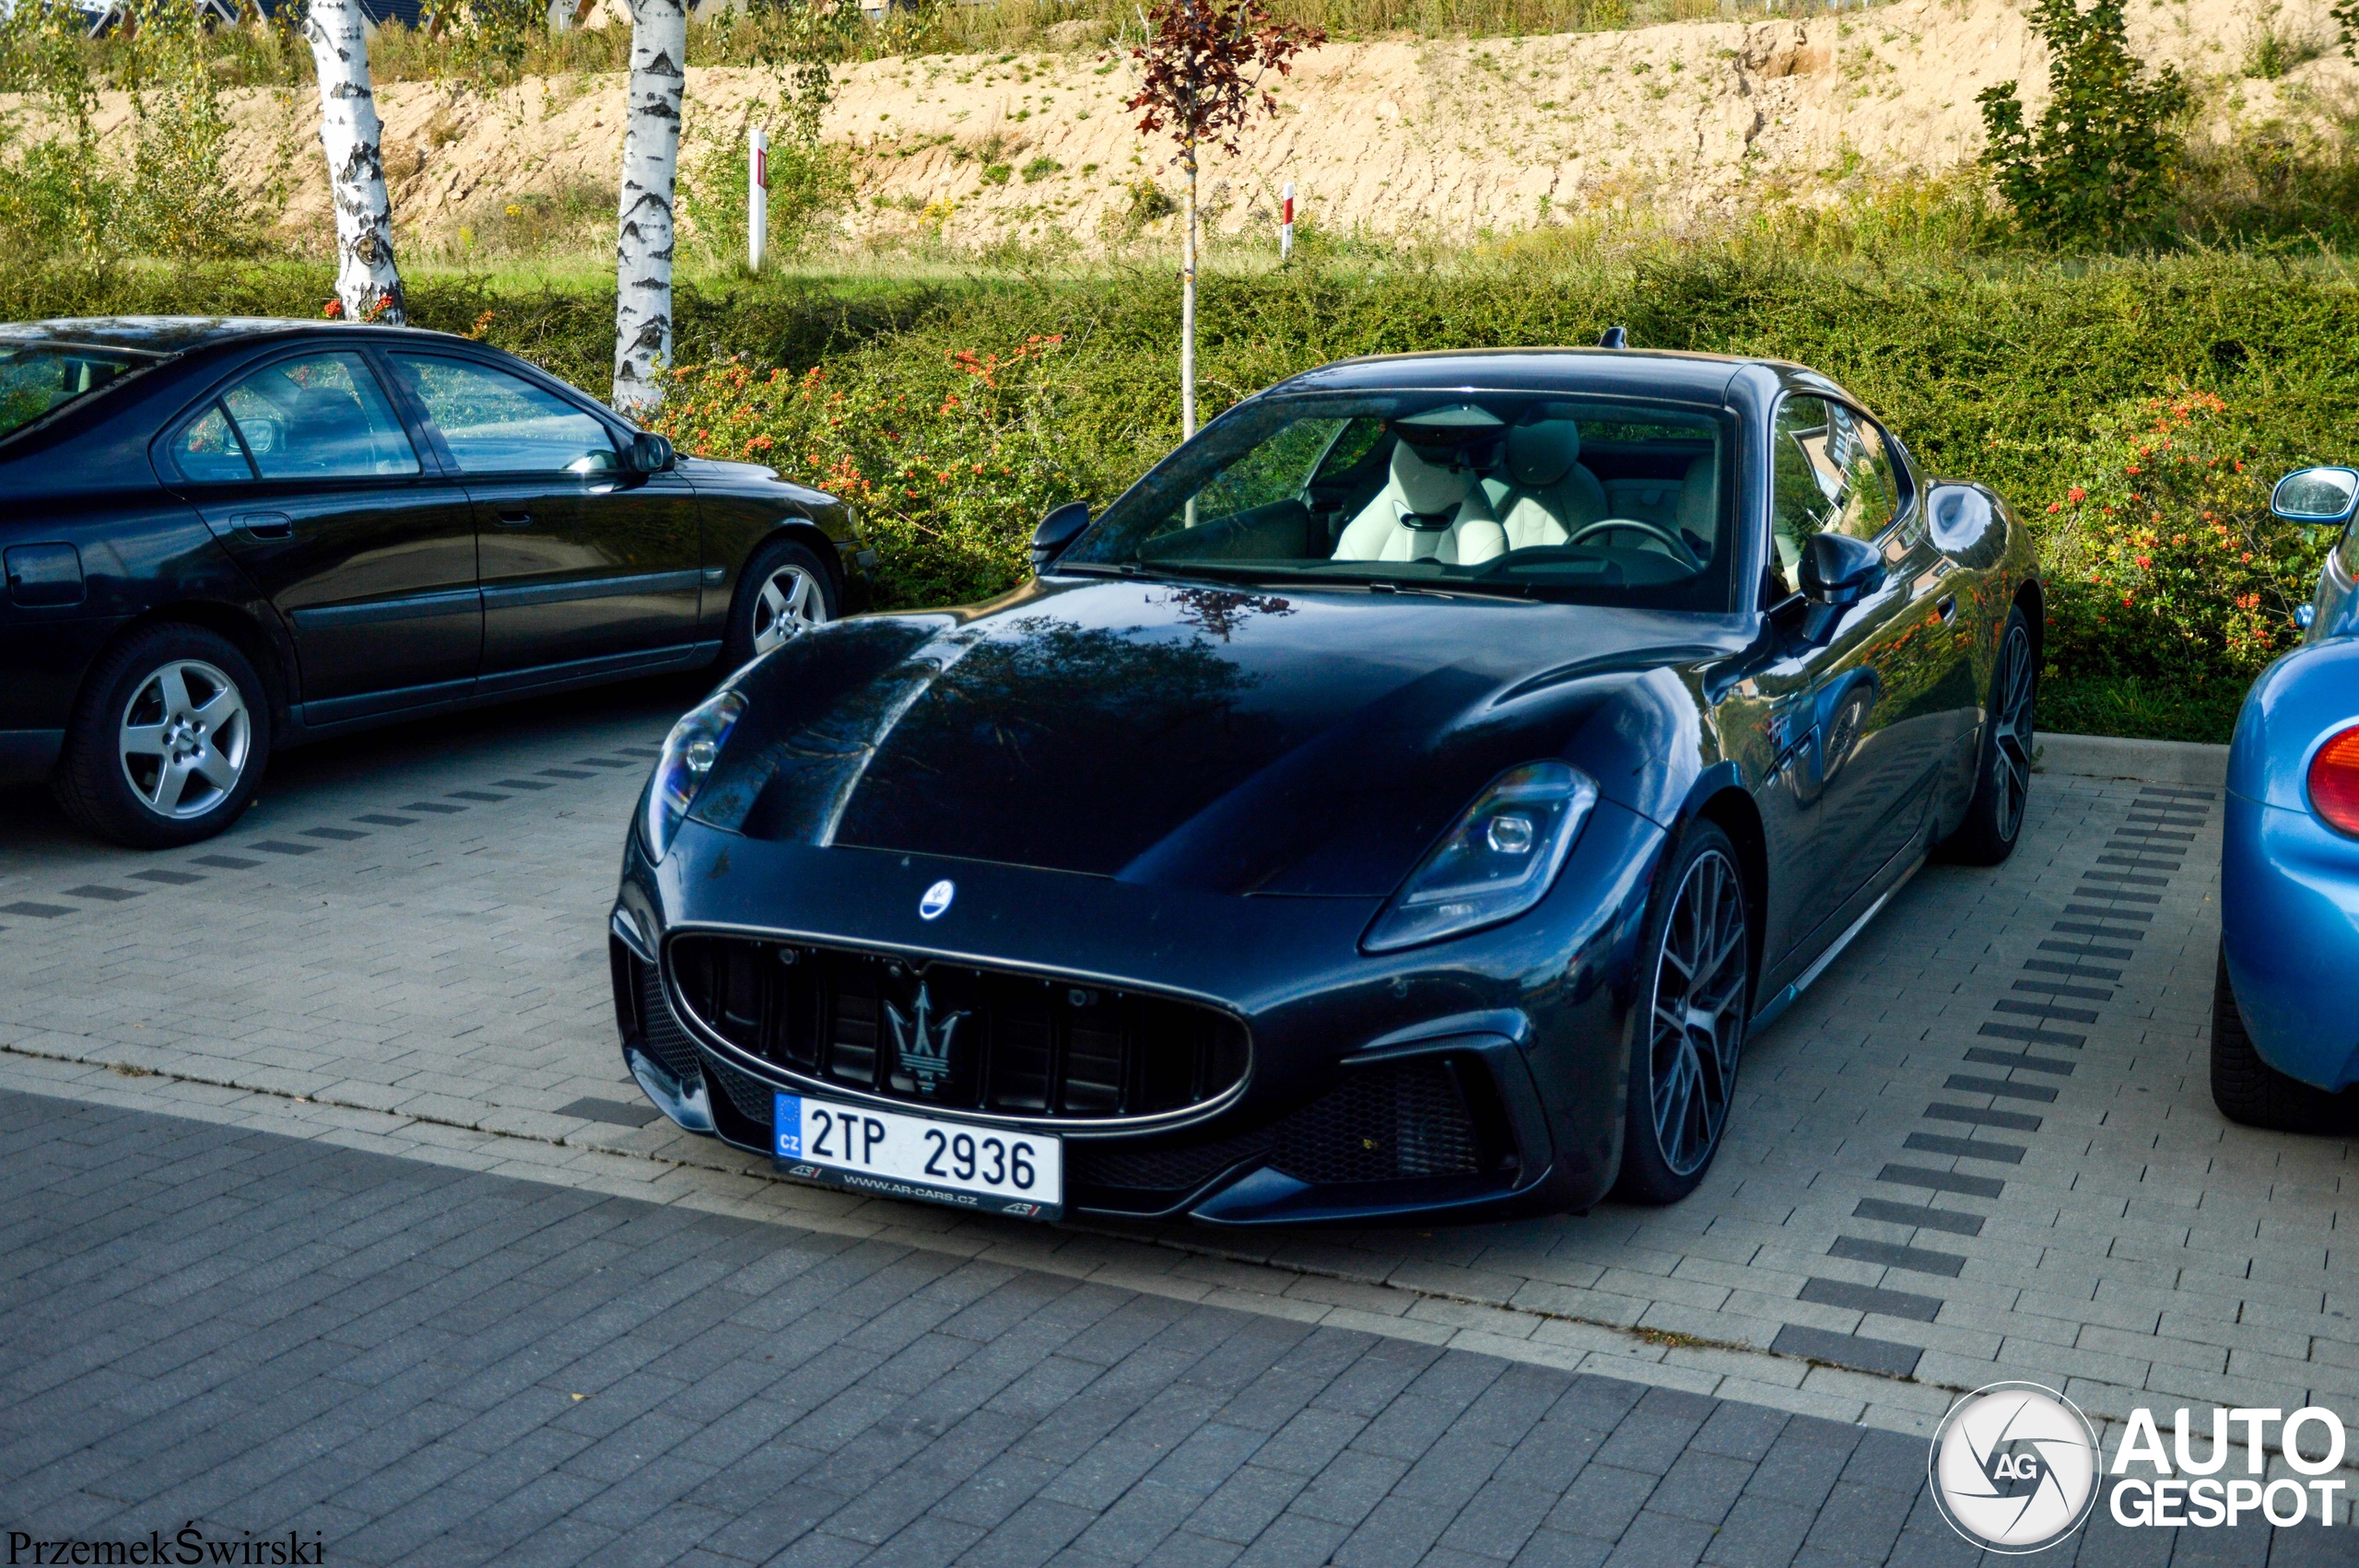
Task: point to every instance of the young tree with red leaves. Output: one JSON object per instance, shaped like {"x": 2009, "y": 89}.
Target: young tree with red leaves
{"x": 1204, "y": 63}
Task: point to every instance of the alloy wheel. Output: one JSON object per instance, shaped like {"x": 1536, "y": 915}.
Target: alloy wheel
{"x": 1697, "y": 1021}
{"x": 790, "y": 603}
{"x": 2010, "y": 756}
{"x": 183, "y": 738}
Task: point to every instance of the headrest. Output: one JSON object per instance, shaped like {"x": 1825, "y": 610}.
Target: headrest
{"x": 1543, "y": 453}
{"x": 1424, "y": 488}
{"x": 1699, "y": 507}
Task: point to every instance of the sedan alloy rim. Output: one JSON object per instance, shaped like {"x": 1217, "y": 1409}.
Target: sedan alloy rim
{"x": 789, "y": 604}
{"x": 1699, "y": 1014}
{"x": 183, "y": 738}
{"x": 2011, "y": 762}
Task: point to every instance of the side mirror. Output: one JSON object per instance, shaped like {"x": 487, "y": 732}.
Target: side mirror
{"x": 1837, "y": 569}
{"x": 2315, "y": 494}
{"x": 649, "y": 454}
{"x": 1059, "y": 526}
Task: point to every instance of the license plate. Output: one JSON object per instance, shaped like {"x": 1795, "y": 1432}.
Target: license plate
{"x": 987, "y": 1169}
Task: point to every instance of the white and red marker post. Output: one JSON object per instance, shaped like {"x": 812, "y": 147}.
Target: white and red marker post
{"x": 757, "y": 195}
{"x": 1286, "y": 223}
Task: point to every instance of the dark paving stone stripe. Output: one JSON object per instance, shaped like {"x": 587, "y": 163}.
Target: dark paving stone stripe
{"x": 2082, "y": 928}
{"x": 1890, "y": 1255}
{"x": 1838, "y": 1350}
{"x": 2057, "y": 988}
{"x": 227, "y": 862}
{"x": 1868, "y": 1298}
{"x": 2087, "y": 911}
{"x": 1942, "y": 1181}
{"x": 2184, "y": 790}
{"x": 600, "y": 762}
{"x": 169, "y": 879}
{"x": 1956, "y": 1222}
{"x": 2088, "y": 949}
{"x": 1966, "y": 1148}
{"x": 383, "y": 819}
{"x": 2018, "y": 1121}
{"x": 649, "y": 751}
{"x": 280, "y": 847}
{"x": 522, "y": 784}
{"x": 104, "y": 894}
{"x": 2044, "y": 1009}
{"x": 2128, "y": 879}
{"x": 475, "y": 795}
{"x": 2115, "y": 898}
{"x": 2140, "y": 863}
{"x": 2031, "y": 1036}
{"x": 2000, "y": 1087}
{"x": 2086, "y": 971}
{"x": 338, "y": 835}
{"x": 435, "y": 807}
{"x": 565, "y": 773}
{"x": 1983, "y": 1056}
{"x": 35, "y": 911}
{"x": 613, "y": 1111}
{"x": 2164, "y": 821}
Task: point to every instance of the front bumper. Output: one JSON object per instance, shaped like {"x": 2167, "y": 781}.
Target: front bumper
{"x": 2289, "y": 922}
{"x": 1518, "y": 1033}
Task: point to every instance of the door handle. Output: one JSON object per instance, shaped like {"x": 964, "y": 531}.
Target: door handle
{"x": 1948, "y": 608}
{"x": 515, "y": 520}
{"x": 264, "y": 525}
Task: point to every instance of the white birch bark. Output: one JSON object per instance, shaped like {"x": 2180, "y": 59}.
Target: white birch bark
{"x": 659, "y": 47}
{"x": 367, "y": 282}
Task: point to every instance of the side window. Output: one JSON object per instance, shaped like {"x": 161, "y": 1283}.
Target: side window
{"x": 208, "y": 452}
{"x": 1274, "y": 471}
{"x": 496, "y": 423}
{"x": 323, "y": 416}
{"x": 1830, "y": 469}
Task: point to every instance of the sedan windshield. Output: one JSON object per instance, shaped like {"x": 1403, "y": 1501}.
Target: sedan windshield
{"x": 1606, "y": 501}
{"x": 39, "y": 379}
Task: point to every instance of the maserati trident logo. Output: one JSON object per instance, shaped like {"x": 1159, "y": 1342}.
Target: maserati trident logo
{"x": 938, "y": 899}
{"x": 922, "y": 1045}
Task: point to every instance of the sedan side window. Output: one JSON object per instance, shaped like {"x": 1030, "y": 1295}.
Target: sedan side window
{"x": 496, "y": 423}
{"x": 1830, "y": 471}
{"x": 323, "y": 416}
{"x": 208, "y": 452}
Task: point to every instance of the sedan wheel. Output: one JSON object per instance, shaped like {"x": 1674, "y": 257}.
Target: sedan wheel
{"x": 790, "y": 603}
{"x": 184, "y": 740}
{"x": 1683, "y": 1056}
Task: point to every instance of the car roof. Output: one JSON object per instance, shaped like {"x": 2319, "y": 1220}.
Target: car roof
{"x": 169, "y": 336}
{"x": 1667, "y": 373}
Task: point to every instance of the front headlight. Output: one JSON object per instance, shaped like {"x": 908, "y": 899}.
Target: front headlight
{"x": 689, "y": 751}
{"x": 1499, "y": 860}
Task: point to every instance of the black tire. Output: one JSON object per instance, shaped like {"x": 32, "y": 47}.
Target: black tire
{"x": 1681, "y": 1086}
{"x": 752, "y": 619}
{"x": 1994, "y": 818}
{"x": 170, "y": 679}
{"x": 2247, "y": 1090}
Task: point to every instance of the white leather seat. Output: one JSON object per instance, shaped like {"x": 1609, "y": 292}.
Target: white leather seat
{"x": 1700, "y": 510}
{"x": 1547, "y": 495}
{"x": 1465, "y": 530}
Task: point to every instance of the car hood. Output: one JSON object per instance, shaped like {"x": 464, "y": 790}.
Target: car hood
{"x": 1272, "y": 742}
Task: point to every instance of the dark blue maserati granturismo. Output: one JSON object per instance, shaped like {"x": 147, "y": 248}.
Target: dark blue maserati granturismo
{"x": 1405, "y": 799}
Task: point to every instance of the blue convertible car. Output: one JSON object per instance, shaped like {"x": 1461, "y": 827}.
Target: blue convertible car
{"x": 2284, "y": 1040}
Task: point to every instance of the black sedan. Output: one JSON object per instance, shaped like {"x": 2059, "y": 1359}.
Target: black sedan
{"x": 1406, "y": 799}
{"x": 227, "y": 536}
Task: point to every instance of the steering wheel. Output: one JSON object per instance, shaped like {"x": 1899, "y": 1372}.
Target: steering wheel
{"x": 1638, "y": 525}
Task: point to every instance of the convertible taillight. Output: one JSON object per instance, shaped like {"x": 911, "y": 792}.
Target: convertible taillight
{"x": 2334, "y": 781}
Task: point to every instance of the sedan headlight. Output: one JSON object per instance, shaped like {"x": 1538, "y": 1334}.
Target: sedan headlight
{"x": 1497, "y": 862}
{"x": 689, "y": 751}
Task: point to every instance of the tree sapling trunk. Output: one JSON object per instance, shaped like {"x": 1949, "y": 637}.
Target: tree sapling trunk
{"x": 367, "y": 285}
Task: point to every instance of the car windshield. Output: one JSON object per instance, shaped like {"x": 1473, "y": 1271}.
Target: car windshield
{"x": 39, "y": 379}
{"x": 1598, "y": 500}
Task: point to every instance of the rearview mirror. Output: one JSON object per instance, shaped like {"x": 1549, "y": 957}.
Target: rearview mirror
{"x": 1059, "y": 526}
{"x": 649, "y": 454}
{"x": 2314, "y": 495}
{"x": 1837, "y": 569}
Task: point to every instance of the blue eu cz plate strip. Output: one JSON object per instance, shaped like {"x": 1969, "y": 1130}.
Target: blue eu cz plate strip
{"x": 786, "y": 1120}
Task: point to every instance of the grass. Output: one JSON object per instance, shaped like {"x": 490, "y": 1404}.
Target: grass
{"x": 2141, "y": 708}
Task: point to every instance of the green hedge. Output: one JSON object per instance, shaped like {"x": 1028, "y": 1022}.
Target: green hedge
{"x": 2031, "y": 378}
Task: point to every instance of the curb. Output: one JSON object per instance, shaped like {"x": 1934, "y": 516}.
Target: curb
{"x": 2157, "y": 762}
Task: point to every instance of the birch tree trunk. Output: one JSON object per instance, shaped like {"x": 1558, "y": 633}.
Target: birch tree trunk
{"x": 659, "y": 49}
{"x": 367, "y": 282}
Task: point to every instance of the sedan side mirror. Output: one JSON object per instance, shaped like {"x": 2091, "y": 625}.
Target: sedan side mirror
{"x": 2315, "y": 494}
{"x": 1837, "y": 569}
{"x": 1059, "y": 526}
{"x": 649, "y": 454}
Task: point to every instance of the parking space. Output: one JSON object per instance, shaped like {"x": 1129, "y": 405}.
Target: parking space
{"x": 1980, "y": 1147}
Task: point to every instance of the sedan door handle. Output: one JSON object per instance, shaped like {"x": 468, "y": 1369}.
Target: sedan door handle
{"x": 515, "y": 520}
{"x": 1948, "y": 608}
{"x": 264, "y": 525}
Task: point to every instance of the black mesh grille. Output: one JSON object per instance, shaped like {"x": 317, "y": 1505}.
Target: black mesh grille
{"x": 1383, "y": 1124}
{"x": 959, "y": 1037}
{"x": 666, "y": 1041}
{"x": 755, "y": 1100}
{"x": 1181, "y": 1169}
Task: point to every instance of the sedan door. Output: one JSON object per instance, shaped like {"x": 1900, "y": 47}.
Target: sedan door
{"x": 585, "y": 568}
{"x": 306, "y": 472}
